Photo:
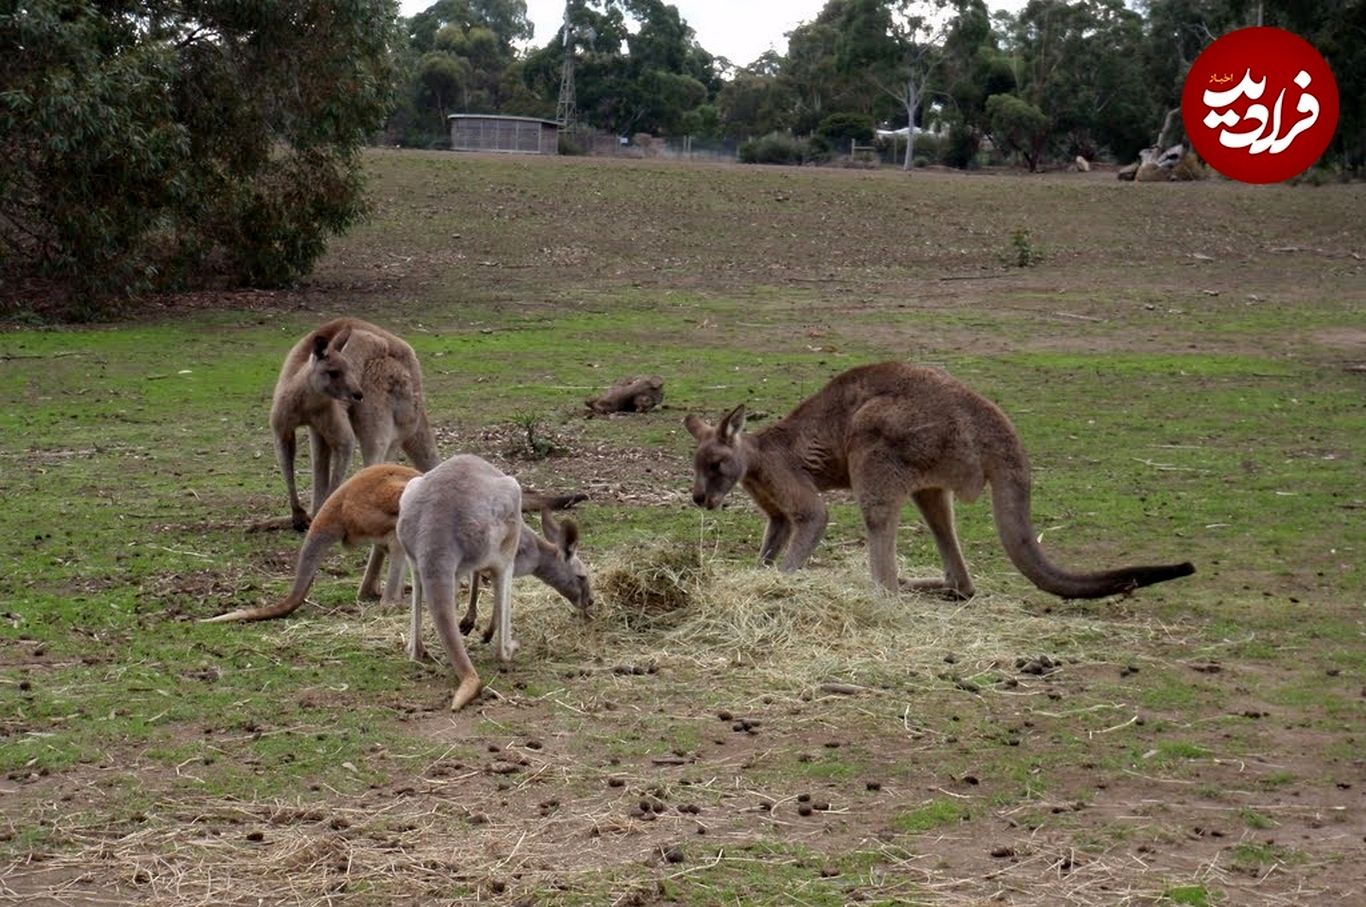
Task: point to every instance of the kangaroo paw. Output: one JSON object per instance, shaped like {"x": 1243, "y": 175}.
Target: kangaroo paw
{"x": 466, "y": 625}
{"x": 505, "y": 656}
{"x": 370, "y": 594}
{"x": 300, "y": 521}
{"x": 937, "y": 587}
{"x": 416, "y": 650}
{"x": 465, "y": 693}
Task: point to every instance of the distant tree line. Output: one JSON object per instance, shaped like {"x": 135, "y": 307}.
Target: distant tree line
{"x": 1060, "y": 78}
{"x": 157, "y": 146}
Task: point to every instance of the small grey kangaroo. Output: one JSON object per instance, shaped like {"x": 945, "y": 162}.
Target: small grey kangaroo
{"x": 462, "y": 518}
{"x": 348, "y": 382}
{"x": 889, "y": 432}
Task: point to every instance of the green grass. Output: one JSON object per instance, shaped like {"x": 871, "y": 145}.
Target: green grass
{"x": 931, "y": 816}
{"x": 1190, "y": 895}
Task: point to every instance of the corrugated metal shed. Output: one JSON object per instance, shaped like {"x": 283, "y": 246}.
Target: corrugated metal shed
{"x": 519, "y": 135}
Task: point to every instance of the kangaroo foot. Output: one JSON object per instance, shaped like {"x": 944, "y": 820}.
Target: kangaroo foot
{"x": 416, "y": 650}
{"x": 938, "y": 587}
{"x": 466, "y": 625}
{"x": 300, "y": 521}
{"x": 465, "y": 693}
{"x": 505, "y": 655}
{"x": 368, "y": 595}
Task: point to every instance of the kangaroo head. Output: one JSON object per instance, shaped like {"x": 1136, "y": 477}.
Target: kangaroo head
{"x": 720, "y": 459}
{"x": 565, "y": 537}
{"x": 330, "y": 374}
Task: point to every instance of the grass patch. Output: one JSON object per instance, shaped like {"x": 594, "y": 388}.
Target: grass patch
{"x": 931, "y": 816}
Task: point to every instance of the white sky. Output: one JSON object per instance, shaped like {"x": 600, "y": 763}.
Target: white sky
{"x": 739, "y": 30}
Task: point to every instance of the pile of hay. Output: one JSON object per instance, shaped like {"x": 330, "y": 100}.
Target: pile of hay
{"x": 655, "y": 589}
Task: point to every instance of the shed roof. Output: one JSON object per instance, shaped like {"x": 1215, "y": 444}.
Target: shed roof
{"x": 493, "y": 116}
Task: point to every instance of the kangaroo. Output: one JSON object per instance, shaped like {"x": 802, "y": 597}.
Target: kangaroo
{"x": 348, "y": 381}
{"x": 461, "y": 518}
{"x": 891, "y": 431}
{"x": 552, "y": 558}
{"x": 364, "y": 509}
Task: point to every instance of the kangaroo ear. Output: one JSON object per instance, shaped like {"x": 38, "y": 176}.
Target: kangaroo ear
{"x": 732, "y": 425}
{"x": 697, "y": 427}
{"x": 569, "y": 539}
{"x": 549, "y": 528}
{"x": 340, "y": 338}
{"x": 319, "y": 346}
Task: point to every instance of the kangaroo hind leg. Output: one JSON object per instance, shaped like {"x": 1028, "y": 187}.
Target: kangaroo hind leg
{"x": 936, "y": 506}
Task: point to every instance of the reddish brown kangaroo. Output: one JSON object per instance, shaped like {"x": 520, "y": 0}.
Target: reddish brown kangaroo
{"x": 349, "y": 382}
{"x": 888, "y": 432}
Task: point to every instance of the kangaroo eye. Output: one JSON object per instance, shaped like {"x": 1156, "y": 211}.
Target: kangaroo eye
{"x": 333, "y": 373}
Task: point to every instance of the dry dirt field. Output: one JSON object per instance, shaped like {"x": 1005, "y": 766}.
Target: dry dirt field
{"x": 1185, "y": 364}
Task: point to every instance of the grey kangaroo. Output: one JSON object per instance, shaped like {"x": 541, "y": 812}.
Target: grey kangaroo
{"x": 349, "y": 382}
{"x": 462, "y": 518}
{"x": 888, "y": 432}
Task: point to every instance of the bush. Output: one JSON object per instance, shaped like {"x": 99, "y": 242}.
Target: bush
{"x": 215, "y": 139}
{"x": 569, "y": 145}
{"x": 930, "y": 147}
{"x": 775, "y": 148}
{"x": 839, "y": 129}
{"x": 961, "y": 147}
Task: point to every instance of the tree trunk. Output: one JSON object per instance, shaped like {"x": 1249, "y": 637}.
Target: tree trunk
{"x": 912, "y": 101}
{"x": 1171, "y": 125}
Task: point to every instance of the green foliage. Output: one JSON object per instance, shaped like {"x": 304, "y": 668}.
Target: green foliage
{"x": 775, "y": 148}
{"x": 961, "y": 147}
{"x": 841, "y": 128}
{"x": 1022, "y": 251}
{"x": 459, "y": 57}
{"x": 154, "y": 150}
{"x": 1018, "y": 126}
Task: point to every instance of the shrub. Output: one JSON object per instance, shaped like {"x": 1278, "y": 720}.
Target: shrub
{"x": 775, "y": 148}
{"x": 960, "y": 147}
{"x": 839, "y": 129}
{"x": 212, "y": 139}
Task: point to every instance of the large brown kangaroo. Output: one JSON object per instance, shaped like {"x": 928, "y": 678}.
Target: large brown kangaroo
{"x": 888, "y": 432}
{"x": 348, "y": 381}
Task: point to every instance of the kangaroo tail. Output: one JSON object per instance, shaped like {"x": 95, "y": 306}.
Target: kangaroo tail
{"x": 310, "y": 556}
{"x": 1010, "y": 504}
{"x": 535, "y": 502}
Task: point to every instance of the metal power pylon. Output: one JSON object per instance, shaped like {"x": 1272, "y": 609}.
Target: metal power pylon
{"x": 566, "y": 112}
